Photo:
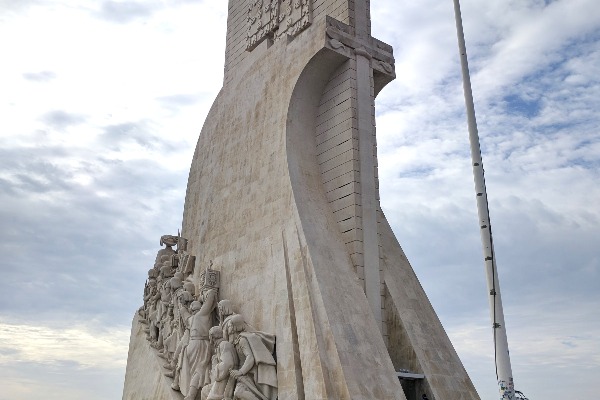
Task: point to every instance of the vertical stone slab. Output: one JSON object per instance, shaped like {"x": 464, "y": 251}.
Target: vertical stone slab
{"x": 369, "y": 197}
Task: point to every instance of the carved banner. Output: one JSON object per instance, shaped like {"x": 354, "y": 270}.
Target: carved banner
{"x": 210, "y": 278}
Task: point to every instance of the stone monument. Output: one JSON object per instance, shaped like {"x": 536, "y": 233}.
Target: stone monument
{"x": 282, "y": 227}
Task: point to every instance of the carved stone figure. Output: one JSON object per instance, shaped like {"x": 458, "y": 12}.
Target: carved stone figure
{"x": 157, "y": 298}
{"x": 223, "y": 360}
{"x": 167, "y": 270}
{"x": 177, "y": 360}
{"x": 225, "y": 312}
{"x": 165, "y": 331}
{"x": 149, "y": 291}
{"x": 256, "y": 374}
{"x": 169, "y": 327}
{"x": 169, "y": 241}
{"x": 170, "y": 337}
{"x": 153, "y": 320}
{"x": 182, "y": 301}
{"x": 195, "y": 366}
{"x": 189, "y": 287}
{"x": 161, "y": 311}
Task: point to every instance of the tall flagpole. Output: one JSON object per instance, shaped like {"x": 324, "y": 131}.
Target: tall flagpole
{"x": 501, "y": 356}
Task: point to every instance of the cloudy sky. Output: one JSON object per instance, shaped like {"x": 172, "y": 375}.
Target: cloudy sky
{"x": 101, "y": 103}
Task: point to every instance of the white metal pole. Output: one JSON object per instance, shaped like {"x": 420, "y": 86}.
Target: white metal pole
{"x": 502, "y": 358}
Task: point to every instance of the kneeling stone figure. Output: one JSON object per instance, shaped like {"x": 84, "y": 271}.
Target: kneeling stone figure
{"x": 256, "y": 375}
{"x": 224, "y": 359}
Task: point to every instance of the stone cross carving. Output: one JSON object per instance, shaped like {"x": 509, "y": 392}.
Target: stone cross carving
{"x": 272, "y": 19}
{"x": 374, "y": 61}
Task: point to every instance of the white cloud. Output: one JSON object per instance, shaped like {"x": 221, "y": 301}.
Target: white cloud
{"x": 82, "y": 360}
{"x": 535, "y": 39}
{"x": 86, "y": 345}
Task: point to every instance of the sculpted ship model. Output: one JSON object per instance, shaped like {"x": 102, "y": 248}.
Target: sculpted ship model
{"x": 282, "y": 219}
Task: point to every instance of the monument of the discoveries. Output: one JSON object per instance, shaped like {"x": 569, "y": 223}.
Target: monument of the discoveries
{"x": 286, "y": 280}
